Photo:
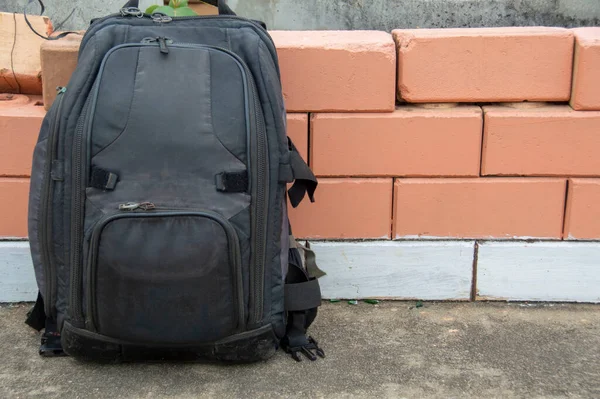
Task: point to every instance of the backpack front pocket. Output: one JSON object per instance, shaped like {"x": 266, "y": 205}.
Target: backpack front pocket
{"x": 164, "y": 277}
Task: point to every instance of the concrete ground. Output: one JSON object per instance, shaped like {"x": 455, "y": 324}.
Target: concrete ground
{"x": 466, "y": 350}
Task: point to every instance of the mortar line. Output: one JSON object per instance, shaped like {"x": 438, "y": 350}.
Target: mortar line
{"x": 393, "y": 206}
{"x": 564, "y": 215}
{"x": 308, "y": 142}
{"x": 482, "y": 141}
{"x": 474, "y": 271}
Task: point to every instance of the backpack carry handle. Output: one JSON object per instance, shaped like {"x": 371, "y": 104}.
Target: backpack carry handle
{"x": 220, "y": 4}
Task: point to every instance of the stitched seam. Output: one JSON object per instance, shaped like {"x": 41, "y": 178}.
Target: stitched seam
{"x": 228, "y": 39}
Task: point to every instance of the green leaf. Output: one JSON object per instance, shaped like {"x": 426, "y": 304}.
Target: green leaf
{"x": 178, "y": 3}
{"x": 184, "y": 12}
{"x": 165, "y": 10}
{"x": 151, "y": 9}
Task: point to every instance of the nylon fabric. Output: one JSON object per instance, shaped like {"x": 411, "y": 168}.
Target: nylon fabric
{"x": 170, "y": 154}
{"x": 305, "y": 182}
{"x": 191, "y": 276}
{"x": 302, "y": 296}
{"x": 167, "y": 123}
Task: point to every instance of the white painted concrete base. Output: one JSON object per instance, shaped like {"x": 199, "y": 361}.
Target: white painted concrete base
{"x": 17, "y": 281}
{"x": 542, "y": 271}
{"x": 430, "y": 270}
{"x": 396, "y": 269}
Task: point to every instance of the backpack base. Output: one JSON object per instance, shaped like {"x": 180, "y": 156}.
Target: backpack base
{"x": 247, "y": 347}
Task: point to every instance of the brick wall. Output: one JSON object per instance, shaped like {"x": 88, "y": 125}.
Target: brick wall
{"x": 419, "y": 134}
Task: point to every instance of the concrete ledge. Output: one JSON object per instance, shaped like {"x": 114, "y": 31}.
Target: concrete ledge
{"x": 542, "y": 271}
{"x": 17, "y": 280}
{"x": 398, "y": 270}
{"x": 382, "y": 269}
{"x": 429, "y": 270}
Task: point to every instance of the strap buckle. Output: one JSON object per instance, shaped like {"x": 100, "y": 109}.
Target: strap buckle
{"x": 306, "y": 350}
{"x": 51, "y": 346}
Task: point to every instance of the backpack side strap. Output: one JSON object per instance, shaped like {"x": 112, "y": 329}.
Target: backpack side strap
{"x": 302, "y": 296}
{"x": 302, "y": 299}
{"x": 37, "y": 319}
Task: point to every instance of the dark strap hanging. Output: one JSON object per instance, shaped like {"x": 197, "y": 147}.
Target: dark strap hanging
{"x": 305, "y": 181}
{"x": 36, "y": 317}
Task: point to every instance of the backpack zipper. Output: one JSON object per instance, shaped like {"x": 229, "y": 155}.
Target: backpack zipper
{"x": 75, "y": 305}
{"x": 45, "y": 211}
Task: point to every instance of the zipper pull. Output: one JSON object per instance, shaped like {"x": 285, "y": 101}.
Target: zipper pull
{"x": 161, "y": 18}
{"x": 162, "y": 44}
{"x": 60, "y": 90}
{"x": 147, "y": 206}
{"x": 132, "y": 12}
{"x": 129, "y": 206}
{"x": 132, "y": 206}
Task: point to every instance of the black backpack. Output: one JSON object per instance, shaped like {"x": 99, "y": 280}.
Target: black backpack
{"x": 158, "y": 207}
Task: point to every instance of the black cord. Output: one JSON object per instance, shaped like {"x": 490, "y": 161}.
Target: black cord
{"x": 12, "y": 55}
{"x": 63, "y": 34}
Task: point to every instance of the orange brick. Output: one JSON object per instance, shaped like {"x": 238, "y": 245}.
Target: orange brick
{"x": 337, "y": 70}
{"x": 346, "y": 208}
{"x": 411, "y": 141}
{"x": 484, "y": 64}
{"x": 545, "y": 141}
{"x": 14, "y": 197}
{"x": 586, "y": 79}
{"x": 582, "y": 220}
{"x": 58, "y": 59}
{"x": 20, "y": 121}
{"x": 20, "y": 70}
{"x": 479, "y": 208}
{"x": 297, "y": 130}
